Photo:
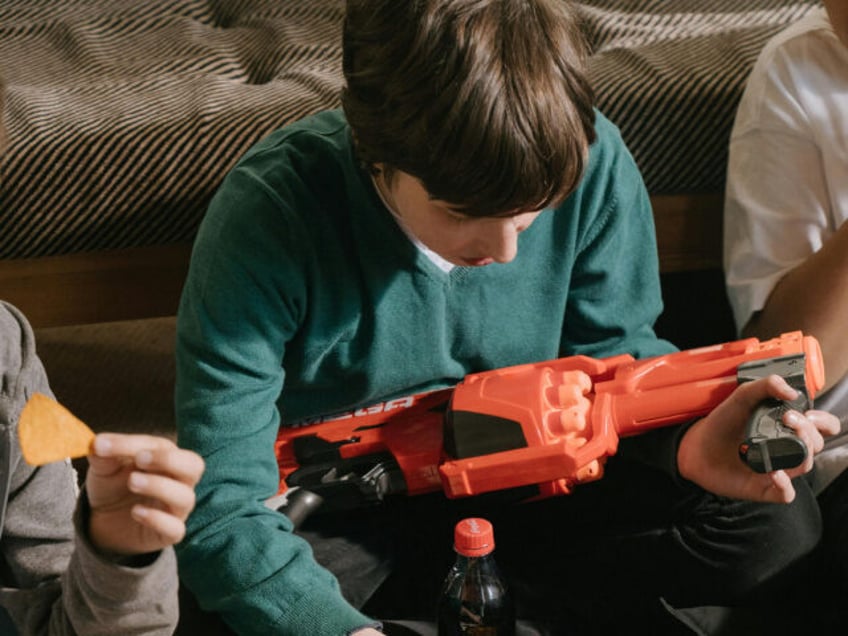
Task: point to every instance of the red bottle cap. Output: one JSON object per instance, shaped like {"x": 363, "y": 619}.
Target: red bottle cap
{"x": 473, "y": 537}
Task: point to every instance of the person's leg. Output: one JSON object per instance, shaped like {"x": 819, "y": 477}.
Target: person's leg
{"x": 603, "y": 556}
{"x": 829, "y": 572}
{"x": 608, "y": 553}
{"x": 546, "y": 548}
{"x": 359, "y": 547}
{"x": 812, "y": 600}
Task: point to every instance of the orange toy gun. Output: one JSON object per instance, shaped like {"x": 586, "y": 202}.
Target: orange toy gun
{"x": 539, "y": 428}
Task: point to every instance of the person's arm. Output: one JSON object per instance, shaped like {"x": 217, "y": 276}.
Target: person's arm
{"x": 813, "y": 298}
{"x": 70, "y": 586}
{"x": 122, "y": 575}
{"x": 37, "y": 540}
{"x": 240, "y": 306}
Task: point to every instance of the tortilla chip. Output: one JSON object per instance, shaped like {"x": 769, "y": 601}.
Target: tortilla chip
{"x": 48, "y": 432}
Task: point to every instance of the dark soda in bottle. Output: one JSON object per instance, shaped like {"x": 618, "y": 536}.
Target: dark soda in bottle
{"x": 475, "y": 598}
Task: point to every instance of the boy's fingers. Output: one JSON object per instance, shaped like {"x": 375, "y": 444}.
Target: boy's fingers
{"x": 807, "y": 431}
{"x": 811, "y": 427}
{"x": 183, "y": 465}
{"x": 773, "y": 386}
{"x": 127, "y": 445}
{"x": 176, "y": 497}
{"x": 826, "y": 423}
{"x": 106, "y": 466}
{"x": 808, "y": 436}
{"x": 152, "y": 453}
{"x": 748, "y": 395}
{"x": 779, "y": 488}
{"x": 168, "y": 527}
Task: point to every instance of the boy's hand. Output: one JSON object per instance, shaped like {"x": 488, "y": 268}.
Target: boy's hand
{"x": 141, "y": 491}
{"x": 708, "y": 454}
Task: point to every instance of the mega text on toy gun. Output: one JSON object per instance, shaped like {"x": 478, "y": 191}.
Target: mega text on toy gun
{"x": 543, "y": 427}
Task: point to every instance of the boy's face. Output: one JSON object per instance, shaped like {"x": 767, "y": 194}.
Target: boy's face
{"x": 462, "y": 240}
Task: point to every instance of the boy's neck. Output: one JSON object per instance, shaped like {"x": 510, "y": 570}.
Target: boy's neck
{"x": 384, "y": 193}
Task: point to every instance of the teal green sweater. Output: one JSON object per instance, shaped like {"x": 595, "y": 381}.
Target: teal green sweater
{"x": 304, "y": 297}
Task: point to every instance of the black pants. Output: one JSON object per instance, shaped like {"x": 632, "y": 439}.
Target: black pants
{"x": 610, "y": 558}
{"x": 615, "y": 551}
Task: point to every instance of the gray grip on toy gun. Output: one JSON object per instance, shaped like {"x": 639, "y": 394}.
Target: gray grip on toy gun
{"x": 770, "y": 444}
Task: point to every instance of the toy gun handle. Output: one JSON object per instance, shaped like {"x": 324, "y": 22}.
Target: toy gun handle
{"x": 770, "y": 444}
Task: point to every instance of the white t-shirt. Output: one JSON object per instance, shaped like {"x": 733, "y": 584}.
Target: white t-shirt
{"x": 787, "y": 180}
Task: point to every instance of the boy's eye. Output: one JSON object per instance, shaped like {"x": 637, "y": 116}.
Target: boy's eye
{"x": 453, "y": 215}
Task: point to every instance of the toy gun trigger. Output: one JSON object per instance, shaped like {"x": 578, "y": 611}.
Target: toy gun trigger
{"x": 769, "y": 444}
{"x": 339, "y": 483}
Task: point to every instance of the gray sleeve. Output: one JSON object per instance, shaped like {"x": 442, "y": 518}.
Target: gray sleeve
{"x": 36, "y": 504}
{"x": 101, "y": 597}
{"x": 98, "y": 597}
{"x": 51, "y": 579}
{"x": 37, "y": 541}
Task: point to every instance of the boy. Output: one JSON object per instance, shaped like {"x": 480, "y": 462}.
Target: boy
{"x": 468, "y": 210}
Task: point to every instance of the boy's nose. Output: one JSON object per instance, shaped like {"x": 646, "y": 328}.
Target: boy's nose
{"x": 503, "y": 239}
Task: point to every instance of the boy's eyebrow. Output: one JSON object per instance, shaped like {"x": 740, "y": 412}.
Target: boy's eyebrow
{"x": 453, "y": 207}
{"x": 465, "y": 211}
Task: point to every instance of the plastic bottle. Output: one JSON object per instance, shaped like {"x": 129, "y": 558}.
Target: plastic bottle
{"x": 475, "y": 598}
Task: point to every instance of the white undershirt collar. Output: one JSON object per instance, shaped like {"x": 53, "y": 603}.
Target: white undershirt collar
{"x": 438, "y": 261}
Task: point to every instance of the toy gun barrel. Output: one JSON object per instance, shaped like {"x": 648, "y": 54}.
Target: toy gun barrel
{"x": 571, "y": 412}
{"x": 688, "y": 384}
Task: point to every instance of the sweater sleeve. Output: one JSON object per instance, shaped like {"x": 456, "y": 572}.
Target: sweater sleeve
{"x": 96, "y": 597}
{"x": 240, "y": 306}
{"x": 101, "y": 597}
{"x": 615, "y": 297}
{"x": 658, "y": 449}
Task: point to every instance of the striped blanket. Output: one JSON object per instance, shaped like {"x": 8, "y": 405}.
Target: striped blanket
{"x": 124, "y": 115}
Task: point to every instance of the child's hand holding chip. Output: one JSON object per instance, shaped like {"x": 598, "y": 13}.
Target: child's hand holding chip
{"x": 140, "y": 487}
{"x": 141, "y": 490}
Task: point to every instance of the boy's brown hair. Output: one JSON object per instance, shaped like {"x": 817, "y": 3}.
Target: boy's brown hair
{"x": 484, "y": 101}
